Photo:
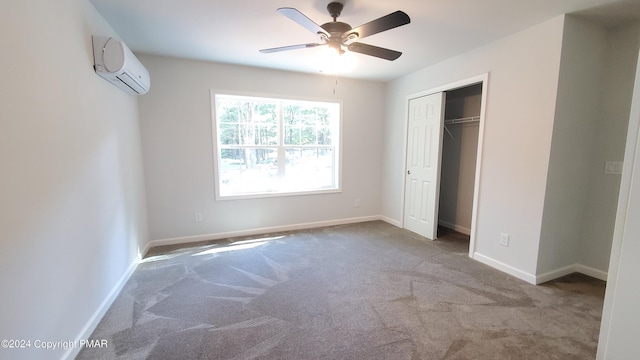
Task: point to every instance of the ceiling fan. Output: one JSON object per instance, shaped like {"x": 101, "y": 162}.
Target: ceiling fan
{"x": 338, "y": 35}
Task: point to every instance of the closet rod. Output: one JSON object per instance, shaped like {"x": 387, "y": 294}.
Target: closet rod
{"x": 462, "y": 120}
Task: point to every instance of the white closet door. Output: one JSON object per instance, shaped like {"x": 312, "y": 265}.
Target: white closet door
{"x": 424, "y": 146}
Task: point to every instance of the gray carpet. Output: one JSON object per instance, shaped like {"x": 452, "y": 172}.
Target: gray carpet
{"x": 362, "y": 291}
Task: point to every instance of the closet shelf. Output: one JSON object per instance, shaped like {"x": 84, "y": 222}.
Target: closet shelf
{"x": 462, "y": 120}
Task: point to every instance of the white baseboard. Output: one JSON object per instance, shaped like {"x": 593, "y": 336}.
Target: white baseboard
{"x": 145, "y": 249}
{"x": 558, "y": 273}
{"x": 579, "y": 268}
{"x": 391, "y": 221}
{"x": 90, "y": 326}
{"x": 531, "y": 279}
{"x": 542, "y": 278}
{"x": 258, "y": 231}
{"x": 594, "y": 273}
{"x": 455, "y": 227}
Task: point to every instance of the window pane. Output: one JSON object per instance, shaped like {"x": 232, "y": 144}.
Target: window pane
{"x": 308, "y": 136}
{"x": 248, "y": 171}
{"x": 267, "y": 134}
{"x": 306, "y": 168}
{"x": 324, "y": 135}
{"x": 268, "y": 146}
{"x": 247, "y": 122}
{"x": 291, "y": 115}
{"x": 227, "y": 110}
{"x": 308, "y": 124}
{"x": 292, "y": 135}
{"x": 231, "y": 155}
{"x": 264, "y": 121}
{"x": 229, "y": 134}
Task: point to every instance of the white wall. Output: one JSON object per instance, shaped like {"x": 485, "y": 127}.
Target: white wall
{"x": 178, "y": 155}
{"x": 622, "y": 49}
{"x": 72, "y": 208}
{"x": 620, "y": 316}
{"x": 577, "y": 113}
{"x": 594, "y": 97}
{"x": 523, "y": 74}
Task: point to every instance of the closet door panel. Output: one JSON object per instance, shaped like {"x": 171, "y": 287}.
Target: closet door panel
{"x": 424, "y": 146}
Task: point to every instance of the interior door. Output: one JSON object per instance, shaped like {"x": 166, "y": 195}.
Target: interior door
{"x": 422, "y": 182}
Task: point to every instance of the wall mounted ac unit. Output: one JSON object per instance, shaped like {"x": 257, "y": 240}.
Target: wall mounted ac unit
{"x": 115, "y": 62}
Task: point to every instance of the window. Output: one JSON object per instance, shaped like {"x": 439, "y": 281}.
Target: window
{"x": 268, "y": 146}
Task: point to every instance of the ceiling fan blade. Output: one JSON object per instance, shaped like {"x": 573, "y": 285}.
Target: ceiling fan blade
{"x": 384, "y": 23}
{"x": 302, "y": 19}
{"x": 374, "y": 51}
{"x": 290, "y": 47}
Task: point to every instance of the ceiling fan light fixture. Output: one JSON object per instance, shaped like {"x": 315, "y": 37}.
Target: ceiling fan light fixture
{"x": 332, "y": 61}
{"x": 336, "y": 47}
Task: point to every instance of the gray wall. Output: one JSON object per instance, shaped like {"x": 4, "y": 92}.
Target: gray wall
{"x": 178, "y": 150}
{"x": 72, "y": 205}
{"x": 592, "y": 112}
{"x": 576, "y": 115}
{"x": 557, "y": 107}
{"x": 521, "y": 92}
{"x": 620, "y": 316}
{"x": 622, "y": 48}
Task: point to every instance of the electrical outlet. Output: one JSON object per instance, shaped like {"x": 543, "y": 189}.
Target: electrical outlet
{"x": 504, "y": 239}
{"x": 357, "y": 203}
{"x": 197, "y": 216}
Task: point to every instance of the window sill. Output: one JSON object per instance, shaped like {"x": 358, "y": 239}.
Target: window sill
{"x": 276, "y": 194}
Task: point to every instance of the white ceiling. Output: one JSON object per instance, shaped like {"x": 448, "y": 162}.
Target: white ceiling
{"x": 232, "y": 31}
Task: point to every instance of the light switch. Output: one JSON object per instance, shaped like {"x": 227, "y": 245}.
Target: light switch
{"x": 504, "y": 239}
{"x": 613, "y": 167}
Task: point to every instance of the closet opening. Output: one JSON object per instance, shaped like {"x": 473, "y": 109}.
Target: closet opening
{"x": 459, "y": 154}
{"x": 443, "y": 154}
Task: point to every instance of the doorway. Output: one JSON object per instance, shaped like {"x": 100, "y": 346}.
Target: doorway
{"x": 459, "y": 155}
{"x": 457, "y": 140}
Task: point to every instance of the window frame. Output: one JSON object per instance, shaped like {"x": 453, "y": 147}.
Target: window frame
{"x": 217, "y": 147}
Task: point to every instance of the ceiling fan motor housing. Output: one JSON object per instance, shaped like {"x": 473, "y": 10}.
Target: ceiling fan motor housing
{"x": 337, "y": 29}
{"x": 335, "y": 9}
